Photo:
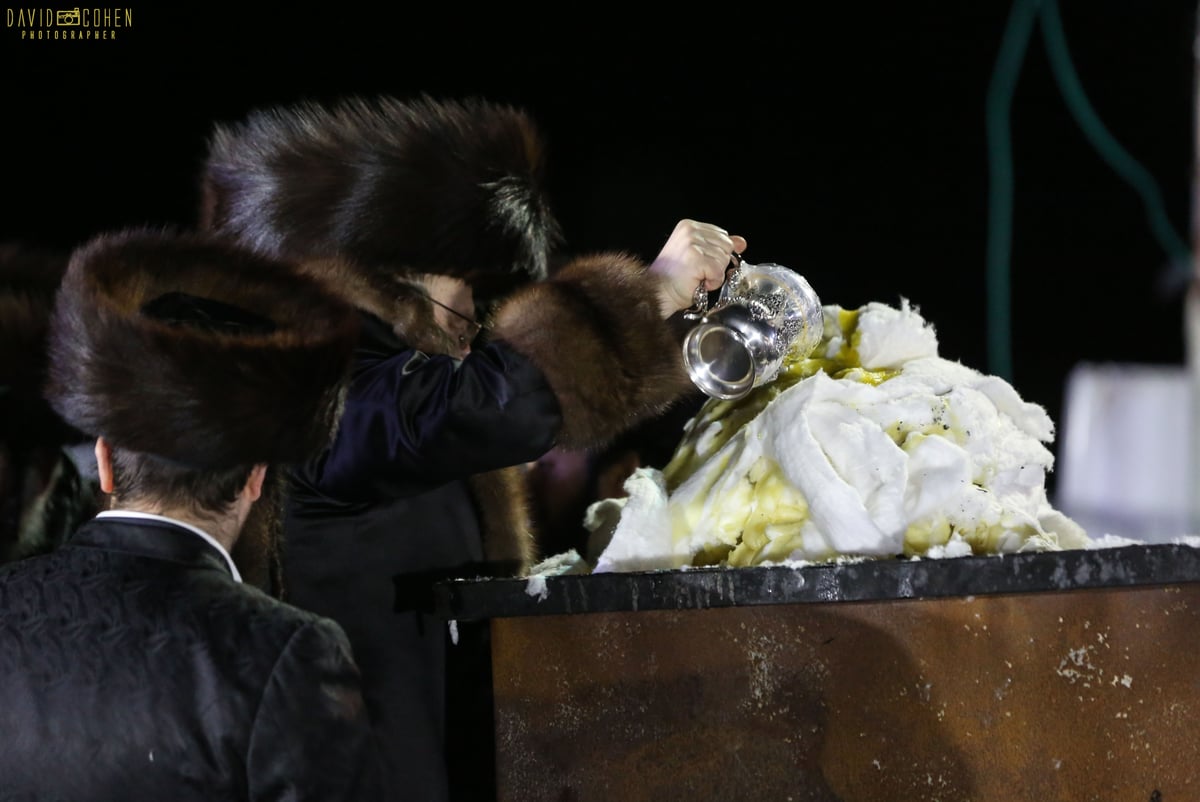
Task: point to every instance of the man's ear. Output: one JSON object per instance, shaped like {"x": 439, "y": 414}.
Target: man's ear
{"x": 104, "y": 465}
{"x": 254, "y": 482}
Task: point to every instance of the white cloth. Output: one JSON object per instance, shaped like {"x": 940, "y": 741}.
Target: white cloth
{"x": 1126, "y": 463}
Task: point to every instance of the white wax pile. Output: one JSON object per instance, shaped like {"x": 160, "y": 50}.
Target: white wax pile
{"x": 874, "y": 446}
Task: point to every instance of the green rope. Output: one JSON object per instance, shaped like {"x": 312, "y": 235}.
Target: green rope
{"x": 1000, "y": 166}
{"x": 1000, "y": 185}
{"x": 1105, "y": 144}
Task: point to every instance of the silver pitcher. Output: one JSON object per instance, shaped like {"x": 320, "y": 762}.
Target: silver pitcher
{"x": 764, "y": 312}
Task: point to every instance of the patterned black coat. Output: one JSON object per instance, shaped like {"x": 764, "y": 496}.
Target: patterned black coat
{"x": 134, "y": 667}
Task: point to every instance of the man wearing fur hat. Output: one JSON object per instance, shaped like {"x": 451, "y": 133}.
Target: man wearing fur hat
{"x": 427, "y": 214}
{"x": 134, "y": 664}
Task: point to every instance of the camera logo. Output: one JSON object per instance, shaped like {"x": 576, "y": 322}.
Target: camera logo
{"x": 77, "y": 24}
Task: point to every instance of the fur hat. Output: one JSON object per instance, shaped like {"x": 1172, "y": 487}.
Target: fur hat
{"x": 394, "y": 188}
{"x": 196, "y": 350}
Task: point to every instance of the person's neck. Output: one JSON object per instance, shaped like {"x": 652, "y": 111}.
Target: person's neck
{"x": 222, "y": 528}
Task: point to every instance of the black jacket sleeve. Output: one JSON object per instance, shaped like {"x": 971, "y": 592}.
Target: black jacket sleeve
{"x": 414, "y": 421}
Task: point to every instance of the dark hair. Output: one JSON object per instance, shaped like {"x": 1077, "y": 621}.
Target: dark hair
{"x": 139, "y": 477}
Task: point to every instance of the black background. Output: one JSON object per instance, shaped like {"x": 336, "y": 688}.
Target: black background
{"x": 845, "y": 140}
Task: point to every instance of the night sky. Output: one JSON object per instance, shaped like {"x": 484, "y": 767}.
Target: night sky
{"x": 844, "y": 140}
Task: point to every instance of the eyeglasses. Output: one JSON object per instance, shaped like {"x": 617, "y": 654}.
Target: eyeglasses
{"x": 471, "y": 328}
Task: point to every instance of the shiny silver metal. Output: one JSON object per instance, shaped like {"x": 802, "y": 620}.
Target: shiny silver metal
{"x": 764, "y": 313}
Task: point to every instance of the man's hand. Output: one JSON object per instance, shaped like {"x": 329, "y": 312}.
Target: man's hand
{"x": 694, "y": 253}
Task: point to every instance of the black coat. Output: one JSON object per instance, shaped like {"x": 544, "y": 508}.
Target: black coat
{"x": 134, "y": 667}
{"x": 424, "y": 480}
{"x": 387, "y": 511}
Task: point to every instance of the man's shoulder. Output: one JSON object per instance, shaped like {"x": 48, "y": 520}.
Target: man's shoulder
{"x": 256, "y": 606}
{"x": 267, "y": 620}
{"x": 40, "y": 568}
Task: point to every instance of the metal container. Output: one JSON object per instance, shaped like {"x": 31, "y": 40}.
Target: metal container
{"x": 1056, "y": 675}
{"x": 764, "y": 313}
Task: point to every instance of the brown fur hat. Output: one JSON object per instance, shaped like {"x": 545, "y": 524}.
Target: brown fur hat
{"x": 393, "y": 187}
{"x": 193, "y": 349}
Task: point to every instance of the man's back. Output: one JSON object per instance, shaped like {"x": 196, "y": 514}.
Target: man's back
{"x": 133, "y": 666}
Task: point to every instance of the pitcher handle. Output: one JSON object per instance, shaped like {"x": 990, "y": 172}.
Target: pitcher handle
{"x": 699, "y": 307}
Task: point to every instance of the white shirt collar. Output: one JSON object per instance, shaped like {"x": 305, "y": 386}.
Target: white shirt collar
{"x": 153, "y": 517}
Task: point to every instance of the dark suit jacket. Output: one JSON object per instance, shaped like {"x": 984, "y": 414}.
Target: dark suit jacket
{"x": 134, "y": 667}
{"x": 387, "y": 510}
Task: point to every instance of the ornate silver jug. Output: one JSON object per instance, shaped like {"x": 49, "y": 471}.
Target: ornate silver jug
{"x": 763, "y": 313}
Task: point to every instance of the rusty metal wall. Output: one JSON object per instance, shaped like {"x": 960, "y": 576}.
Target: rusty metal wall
{"x": 1080, "y": 695}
